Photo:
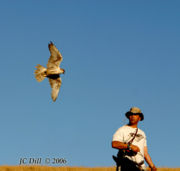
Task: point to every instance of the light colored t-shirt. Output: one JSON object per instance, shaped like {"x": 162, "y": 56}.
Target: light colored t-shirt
{"x": 125, "y": 133}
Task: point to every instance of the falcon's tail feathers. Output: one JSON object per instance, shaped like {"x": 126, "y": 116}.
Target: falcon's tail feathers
{"x": 40, "y": 73}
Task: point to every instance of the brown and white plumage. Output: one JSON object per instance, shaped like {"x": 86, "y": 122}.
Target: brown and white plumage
{"x": 55, "y": 85}
{"x": 52, "y": 72}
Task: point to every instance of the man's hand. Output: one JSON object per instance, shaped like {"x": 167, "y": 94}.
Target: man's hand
{"x": 124, "y": 146}
{"x": 134, "y": 148}
{"x": 153, "y": 168}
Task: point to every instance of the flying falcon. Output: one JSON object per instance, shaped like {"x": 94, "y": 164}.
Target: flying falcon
{"x": 52, "y": 72}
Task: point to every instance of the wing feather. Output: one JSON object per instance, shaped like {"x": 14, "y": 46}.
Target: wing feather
{"x": 55, "y": 85}
{"x": 55, "y": 58}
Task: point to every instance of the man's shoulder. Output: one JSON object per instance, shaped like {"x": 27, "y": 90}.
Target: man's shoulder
{"x": 141, "y": 131}
{"x": 119, "y": 134}
{"x": 123, "y": 128}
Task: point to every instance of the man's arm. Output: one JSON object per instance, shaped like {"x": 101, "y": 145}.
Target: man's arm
{"x": 148, "y": 159}
{"x": 122, "y": 146}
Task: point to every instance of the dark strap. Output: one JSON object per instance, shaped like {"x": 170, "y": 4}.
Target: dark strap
{"x": 142, "y": 162}
{"x": 130, "y": 142}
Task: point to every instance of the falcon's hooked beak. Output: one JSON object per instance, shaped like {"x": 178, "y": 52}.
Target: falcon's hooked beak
{"x": 63, "y": 71}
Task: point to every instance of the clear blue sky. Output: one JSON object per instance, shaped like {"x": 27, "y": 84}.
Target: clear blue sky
{"x": 117, "y": 54}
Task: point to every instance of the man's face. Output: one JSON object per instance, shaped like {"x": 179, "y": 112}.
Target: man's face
{"x": 134, "y": 119}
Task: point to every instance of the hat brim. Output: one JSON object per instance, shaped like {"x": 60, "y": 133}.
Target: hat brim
{"x": 130, "y": 113}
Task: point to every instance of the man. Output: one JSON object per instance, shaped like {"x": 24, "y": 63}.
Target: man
{"x": 131, "y": 142}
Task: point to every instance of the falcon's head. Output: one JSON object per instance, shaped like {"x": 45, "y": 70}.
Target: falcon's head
{"x": 62, "y": 71}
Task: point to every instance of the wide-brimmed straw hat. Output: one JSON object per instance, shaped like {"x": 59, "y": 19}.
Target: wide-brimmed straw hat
{"x": 135, "y": 111}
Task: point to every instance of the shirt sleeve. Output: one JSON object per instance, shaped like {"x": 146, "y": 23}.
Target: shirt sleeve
{"x": 118, "y": 135}
{"x": 145, "y": 141}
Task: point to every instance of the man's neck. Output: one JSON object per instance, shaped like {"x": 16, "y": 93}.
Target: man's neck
{"x": 132, "y": 125}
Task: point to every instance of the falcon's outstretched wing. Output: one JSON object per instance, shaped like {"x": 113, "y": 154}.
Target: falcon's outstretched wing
{"x": 55, "y": 85}
{"x": 55, "y": 58}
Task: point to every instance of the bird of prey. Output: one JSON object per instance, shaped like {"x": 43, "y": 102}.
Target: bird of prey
{"x": 52, "y": 72}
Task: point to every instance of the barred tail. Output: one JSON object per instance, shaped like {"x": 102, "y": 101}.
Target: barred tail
{"x": 40, "y": 73}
